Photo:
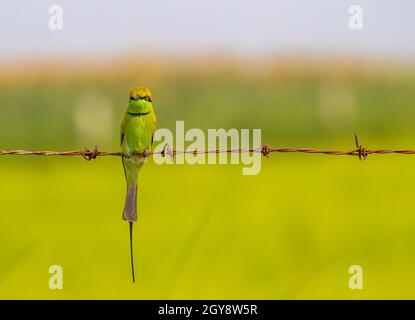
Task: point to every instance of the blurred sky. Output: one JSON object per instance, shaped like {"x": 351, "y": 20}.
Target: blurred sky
{"x": 105, "y": 28}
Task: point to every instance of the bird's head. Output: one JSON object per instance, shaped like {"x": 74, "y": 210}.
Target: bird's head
{"x": 140, "y": 103}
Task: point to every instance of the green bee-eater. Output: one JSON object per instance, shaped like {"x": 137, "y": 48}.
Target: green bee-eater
{"x": 137, "y": 129}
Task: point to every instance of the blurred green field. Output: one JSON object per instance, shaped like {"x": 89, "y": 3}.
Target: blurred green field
{"x": 290, "y": 232}
{"x": 208, "y": 232}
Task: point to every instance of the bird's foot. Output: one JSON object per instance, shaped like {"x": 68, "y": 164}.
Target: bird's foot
{"x": 126, "y": 155}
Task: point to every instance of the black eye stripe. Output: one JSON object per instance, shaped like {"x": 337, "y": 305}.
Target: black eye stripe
{"x": 139, "y": 98}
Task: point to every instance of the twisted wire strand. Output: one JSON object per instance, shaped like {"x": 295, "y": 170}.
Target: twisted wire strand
{"x": 265, "y": 149}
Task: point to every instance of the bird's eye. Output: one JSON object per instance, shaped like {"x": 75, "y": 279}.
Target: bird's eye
{"x": 147, "y": 98}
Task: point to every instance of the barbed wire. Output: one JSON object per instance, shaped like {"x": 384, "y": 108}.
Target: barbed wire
{"x": 265, "y": 150}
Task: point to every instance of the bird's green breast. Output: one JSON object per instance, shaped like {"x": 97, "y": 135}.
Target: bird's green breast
{"x": 138, "y": 132}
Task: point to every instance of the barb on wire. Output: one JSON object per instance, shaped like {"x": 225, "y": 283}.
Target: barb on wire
{"x": 265, "y": 150}
{"x": 361, "y": 151}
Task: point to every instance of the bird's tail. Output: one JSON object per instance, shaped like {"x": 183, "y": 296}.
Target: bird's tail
{"x": 130, "y": 207}
{"x": 130, "y": 214}
{"x": 131, "y": 249}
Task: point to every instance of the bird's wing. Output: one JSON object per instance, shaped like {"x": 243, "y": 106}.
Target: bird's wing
{"x": 152, "y": 136}
{"x": 122, "y": 139}
{"x": 122, "y": 130}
